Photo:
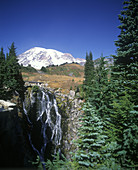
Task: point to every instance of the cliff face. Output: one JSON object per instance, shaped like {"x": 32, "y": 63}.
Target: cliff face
{"x": 11, "y": 143}
{"x": 70, "y": 108}
{"x": 15, "y": 150}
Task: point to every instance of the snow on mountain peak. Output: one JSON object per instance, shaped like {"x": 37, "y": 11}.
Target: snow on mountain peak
{"x": 38, "y": 57}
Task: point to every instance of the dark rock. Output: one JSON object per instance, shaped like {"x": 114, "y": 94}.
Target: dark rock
{"x": 11, "y": 143}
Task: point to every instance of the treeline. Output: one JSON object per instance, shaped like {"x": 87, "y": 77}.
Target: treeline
{"x": 11, "y": 81}
{"x": 108, "y": 135}
{"x": 64, "y": 69}
{"x": 28, "y": 69}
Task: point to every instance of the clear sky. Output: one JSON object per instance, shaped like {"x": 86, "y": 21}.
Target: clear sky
{"x": 71, "y": 26}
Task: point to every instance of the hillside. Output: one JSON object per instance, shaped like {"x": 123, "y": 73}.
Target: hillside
{"x": 65, "y": 83}
{"x": 66, "y": 76}
{"x": 73, "y": 70}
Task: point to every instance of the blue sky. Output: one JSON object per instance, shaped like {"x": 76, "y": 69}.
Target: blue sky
{"x": 71, "y": 26}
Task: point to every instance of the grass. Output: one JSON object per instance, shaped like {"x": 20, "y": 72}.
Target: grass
{"x": 55, "y": 81}
{"x": 74, "y": 70}
{"x": 68, "y": 76}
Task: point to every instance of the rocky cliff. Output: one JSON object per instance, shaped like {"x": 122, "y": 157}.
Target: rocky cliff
{"x": 11, "y": 141}
{"x": 70, "y": 107}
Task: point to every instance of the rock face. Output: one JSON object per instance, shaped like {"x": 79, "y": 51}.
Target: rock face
{"x": 38, "y": 57}
{"x": 15, "y": 151}
{"x": 11, "y": 142}
{"x": 70, "y": 107}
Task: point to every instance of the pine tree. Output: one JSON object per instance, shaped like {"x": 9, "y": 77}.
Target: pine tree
{"x": 89, "y": 69}
{"x": 123, "y": 117}
{"x": 126, "y": 61}
{"x": 127, "y": 42}
{"x": 125, "y": 79}
{"x": 2, "y": 72}
{"x": 99, "y": 89}
{"x": 13, "y": 77}
{"x": 91, "y": 140}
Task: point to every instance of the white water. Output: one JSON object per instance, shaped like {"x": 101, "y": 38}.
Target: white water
{"x": 47, "y": 114}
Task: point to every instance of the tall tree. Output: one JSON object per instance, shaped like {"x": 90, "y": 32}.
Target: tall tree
{"x": 13, "y": 77}
{"x": 91, "y": 139}
{"x": 127, "y": 42}
{"x": 89, "y": 69}
{"x": 125, "y": 77}
{"x": 2, "y": 72}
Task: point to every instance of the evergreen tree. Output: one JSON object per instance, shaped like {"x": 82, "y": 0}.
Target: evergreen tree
{"x": 124, "y": 119}
{"x": 91, "y": 139}
{"x": 126, "y": 61}
{"x": 125, "y": 79}
{"x": 13, "y": 78}
{"x": 89, "y": 69}
{"x": 98, "y": 91}
{"x": 114, "y": 103}
{"x": 2, "y": 72}
{"x": 127, "y": 42}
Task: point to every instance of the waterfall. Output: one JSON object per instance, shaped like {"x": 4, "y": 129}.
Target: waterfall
{"x": 44, "y": 121}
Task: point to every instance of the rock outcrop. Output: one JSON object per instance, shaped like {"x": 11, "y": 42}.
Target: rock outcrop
{"x": 11, "y": 143}
{"x": 70, "y": 107}
{"x": 14, "y": 149}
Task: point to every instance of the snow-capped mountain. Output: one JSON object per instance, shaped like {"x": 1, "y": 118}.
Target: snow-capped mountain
{"x": 38, "y": 57}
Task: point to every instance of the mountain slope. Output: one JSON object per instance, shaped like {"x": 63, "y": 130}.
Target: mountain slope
{"x": 38, "y": 57}
{"x": 72, "y": 70}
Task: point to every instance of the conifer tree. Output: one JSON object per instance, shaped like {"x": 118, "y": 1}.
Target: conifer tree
{"x": 2, "y": 72}
{"x": 115, "y": 101}
{"x": 91, "y": 140}
{"x": 89, "y": 69}
{"x": 125, "y": 79}
{"x": 99, "y": 89}
{"x": 127, "y": 42}
{"x": 13, "y": 77}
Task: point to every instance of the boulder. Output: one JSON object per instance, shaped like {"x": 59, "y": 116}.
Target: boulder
{"x": 72, "y": 93}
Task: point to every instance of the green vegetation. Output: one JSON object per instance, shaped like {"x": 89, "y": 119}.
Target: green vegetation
{"x": 89, "y": 69}
{"x": 10, "y": 76}
{"x": 59, "y": 162}
{"x": 109, "y": 130}
{"x": 74, "y": 70}
{"x": 28, "y": 69}
{"x": 35, "y": 88}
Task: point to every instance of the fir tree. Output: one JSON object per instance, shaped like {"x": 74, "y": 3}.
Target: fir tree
{"x": 91, "y": 140}
{"x": 126, "y": 61}
{"x": 89, "y": 69}
{"x": 2, "y": 72}
{"x": 125, "y": 79}
{"x": 114, "y": 102}
{"x": 127, "y": 42}
{"x": 99, "y": 89}
{"x": 13, "y": 77}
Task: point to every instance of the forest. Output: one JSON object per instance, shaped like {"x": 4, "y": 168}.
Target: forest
{"x": 108, "y": 131}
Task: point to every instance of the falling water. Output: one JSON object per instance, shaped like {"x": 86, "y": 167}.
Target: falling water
{"x": 42, "y": 115}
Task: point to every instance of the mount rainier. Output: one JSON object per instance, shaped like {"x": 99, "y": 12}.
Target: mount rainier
{"x": 38, "y": 57}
